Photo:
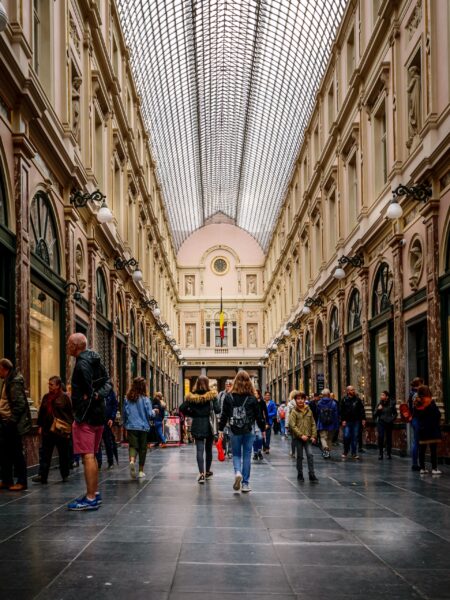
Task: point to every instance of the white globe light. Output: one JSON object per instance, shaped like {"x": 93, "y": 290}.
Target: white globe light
{"x": 176, "y": 347}
{"x": 274, "y": 346}
{"x": 265, "y": 355}
{"x": 339, "y": 273}
{"x": 286, "y": 333}
{"x": 394, "y": 211}
{"x": 104, "y": 215}
{"x": 169, "y": 334}
{"x": 137, "y": 275}
{"x": 306, "y": 310}
{"x": 3, "y": 18}
{"x": 157, "y": 313}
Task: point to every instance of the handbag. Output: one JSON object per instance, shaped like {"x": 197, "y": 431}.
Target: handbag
{"x": 220, "y": 450}
{"x": 212, "y": 419}
{"x": 61, "y": 428}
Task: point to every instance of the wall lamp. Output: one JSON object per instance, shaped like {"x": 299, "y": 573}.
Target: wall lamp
{"x": 420, "y": 192}
{"x": 80, "y": 199}
{"x": 355, "y": 261}
{"x": 295, "y": 325}
{"x": 120, "y": 264}
{"x": 77, "y": 296}
{"x": 151, "y": 303}
{"x": 166, "y": 328}
{"x": 311, "y": 302}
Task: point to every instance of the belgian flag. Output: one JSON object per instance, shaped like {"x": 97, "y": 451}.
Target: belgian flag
{"x": 221, "y": 320}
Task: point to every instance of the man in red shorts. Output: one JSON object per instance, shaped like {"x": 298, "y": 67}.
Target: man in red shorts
{"x": 89, "y": 385}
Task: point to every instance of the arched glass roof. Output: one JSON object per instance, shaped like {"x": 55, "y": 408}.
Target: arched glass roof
{"x": 227, "y": 89}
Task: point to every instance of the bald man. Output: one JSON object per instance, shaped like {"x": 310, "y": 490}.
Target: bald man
{"x": 90, "y": 384}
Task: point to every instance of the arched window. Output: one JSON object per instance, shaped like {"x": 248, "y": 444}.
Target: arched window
{"x": 132, "y": 329}
{"x": 44, "y": 239}
{"x": 102, "y": 294}
{"x": 382, "y": 289}
{"x": 120, "y": 315}
{"x": 334, "y": 325}
{"x": 308, "y": 345}
{"x": 354, "y": 311}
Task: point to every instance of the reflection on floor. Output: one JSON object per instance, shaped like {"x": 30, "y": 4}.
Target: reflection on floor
{"x": 368, "y": 530}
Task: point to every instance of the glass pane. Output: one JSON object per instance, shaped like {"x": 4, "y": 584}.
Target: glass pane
{"x": 355, "y": 368}
{"x": 45, "y": 349}
{"x": 381, "y": 346}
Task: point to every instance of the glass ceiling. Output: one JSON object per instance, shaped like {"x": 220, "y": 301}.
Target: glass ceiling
{"x": 227, "y": 89}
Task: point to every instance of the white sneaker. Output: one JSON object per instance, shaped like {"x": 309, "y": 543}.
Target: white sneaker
{"x": 423, "y": 471}
{"x": 237, "y": 482}
{"x": 132, "y": 470}
{"x": 141, "y": 474}
{"x": 436, "y": 472}
{"x": 246, "y": 488}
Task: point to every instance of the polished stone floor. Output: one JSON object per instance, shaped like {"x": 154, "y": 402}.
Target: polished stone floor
{"x": 368, "y": 530}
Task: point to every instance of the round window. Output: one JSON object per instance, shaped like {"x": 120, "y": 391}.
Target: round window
{"x": 220, "y": 265}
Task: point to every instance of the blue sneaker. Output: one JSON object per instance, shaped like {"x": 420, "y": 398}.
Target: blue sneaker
{"x": 98, "y": 497}
{"x": 83, "y": 504}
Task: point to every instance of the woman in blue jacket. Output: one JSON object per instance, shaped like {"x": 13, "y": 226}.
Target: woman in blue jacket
{"x": 271, "y": 415}
{"x": 327, "y": 421}
{"x": 137, "y": 412}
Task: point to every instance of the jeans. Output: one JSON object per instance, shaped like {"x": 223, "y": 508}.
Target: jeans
{"x": 11, "y": 454}
{"x": 283, "y": 427}
{"x": 433, "y": 452}
{"x": 351, "y": 435}
{"x": 109, "y": 440}
{"x": 384, "y": 431}
{"x": 159, "y": 431}
{"x": 300, "y": 445}
{"x": 415, "y": 441}
{"x": 49, "y": 441}
{"x": 242, "y": 454}
{"x": 204, "y": 450}
{"x": 258, "y": 443}
{"x": 266, "y": 442}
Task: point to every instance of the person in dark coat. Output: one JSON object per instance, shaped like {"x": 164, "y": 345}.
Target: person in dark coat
{"x": 429, "y": 417}
{"x": 353, "y": 416}
{"x": 327, "y": 420}
{"x": 199, "y": 405}
{"x": 55, "y": 404}
{"x": 414, "y": 424}
{"x": 385, "y": 415}
{"x": 160, "y": 410}
{"x": 15, "y": 421}
{"x": 111, "y": 407}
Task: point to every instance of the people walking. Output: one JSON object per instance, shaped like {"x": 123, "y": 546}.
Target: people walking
{"x": 159, "y": 406}
{"x": 15, "y": 421}
{"x": 271, "y": 415}
{"x": 137, "y": 412}
{"x": 259, "y": 438}
{"x": 327, "y": 421}
{"x": 429, "y": 417}
{"x": 111, "y": 407}
{"x": 303, "y": 428}
{"x": 241, "y": 411}
{"x": 90, "y": 385}
{"x": 55, "y": 418}
{"x": 226, "y": 441}
{"x": 353, "y": 415}
{"x": 414, "y": 424}
{"x": 385, "y": 415}
{"x": 201, "y": 405}
{"x": 281, "y": 416}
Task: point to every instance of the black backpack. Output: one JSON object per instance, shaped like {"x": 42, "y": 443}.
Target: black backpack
{"x": 326, "y": 416}
{"x": 241, "y": 420}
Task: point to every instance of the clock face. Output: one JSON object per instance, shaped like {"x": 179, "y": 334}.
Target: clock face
{"x": 220, "y": 266}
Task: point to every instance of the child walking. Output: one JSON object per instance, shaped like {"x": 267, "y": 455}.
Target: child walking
{"x": 303, "y": 429}
{"x": 137, "y": 412}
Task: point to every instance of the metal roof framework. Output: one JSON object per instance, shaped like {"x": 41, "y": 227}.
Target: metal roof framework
{"x": 227, "y": 88}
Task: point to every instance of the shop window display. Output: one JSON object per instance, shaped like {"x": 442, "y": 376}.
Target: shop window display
{"x": 355, "y": 367}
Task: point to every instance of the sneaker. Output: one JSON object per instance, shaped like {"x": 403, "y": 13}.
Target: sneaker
{"x": 355, "y": 456}
{"x": 17, "y": 487}
{"x": 201, "y": 478}
{"x": 141, "y": 475}
{"x": 344, "y": 456}
{"x": 423, "y": 471}
{"x": 163, "y": 445}
{"x": 133, "y": 470}
{"x": 436, "y": 472}
{"x": 245, "y": 488}
{"x": 110, "y": 467}
{"x": 415, "y": 468}
{"x": 98, "y": 497}
{"x": 229, "y": 455}
{"x": 208, "y": 474}
{"x": 300, "y": 477}
{"x": 313, "y": 478}
{"x": 36, "y": 479}
{"x": 84, "y": 504}
{"x": 237, "y": 482}
{"x": 255, "y": 456}
{"x": 260, "y": 455}
{"x": 267, "y": 451}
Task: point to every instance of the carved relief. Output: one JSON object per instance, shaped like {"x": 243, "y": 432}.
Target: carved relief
{"x": 415, "y": 19}
{"x": 251, "y": 284}
{"x": 252, "y": 336}
{"x": 76, "y": 108}
{"x": 415, "y": 260}
{"x": 189, "y": 285}
{"x": 79, "y": 268}
{"x": 414, "y": 104}
{"x": 74, "y": 34}
{"x": 190, "y": 335}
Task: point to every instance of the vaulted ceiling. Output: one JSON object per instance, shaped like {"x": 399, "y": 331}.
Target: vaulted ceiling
{"x": 227, "y": 89}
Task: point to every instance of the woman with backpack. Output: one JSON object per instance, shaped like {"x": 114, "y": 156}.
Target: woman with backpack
{"x": 241, "y": 410}
{"x": 202, "y": 405}
{"x": 327, "y": 421}
{"x": 137, "y": 412}
{"x": 385, "y": 415}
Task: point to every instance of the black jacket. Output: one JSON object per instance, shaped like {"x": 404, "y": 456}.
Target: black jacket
{"x": 90, "y": 386}
{"x": 198, "y": 406}
{"x": 18, "y": 402}
{"x": 429, "y": 419}
{"x": 387, "y": 413}
{"x": 111, "y": 406}
{"x": 352, "y": 409}
{"x": 252, "y": 409}
{"x": 61, "y": 408}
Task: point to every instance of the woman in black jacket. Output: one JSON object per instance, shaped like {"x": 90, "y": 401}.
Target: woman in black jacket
{"x": 241, "y": 410}
{"x": 385, "y": 414}
{"x": 202, "y": 404}
{"x": 429, "y": 417}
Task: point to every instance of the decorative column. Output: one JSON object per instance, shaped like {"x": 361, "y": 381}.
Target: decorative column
{"x": 114, "y": 287}
{"x": 323, "y": 315}
{"x": 343, "y": 367}
{"x": 399, "y": 324}
{"x": 70, "y": 218}
{"x": 93, "y": 250}
{"x": 365, "y": 302}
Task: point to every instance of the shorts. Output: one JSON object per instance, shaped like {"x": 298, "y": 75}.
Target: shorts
{"x": 86, "y": 438}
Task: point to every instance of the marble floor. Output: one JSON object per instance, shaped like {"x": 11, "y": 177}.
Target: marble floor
{"x": 368, "y": 530}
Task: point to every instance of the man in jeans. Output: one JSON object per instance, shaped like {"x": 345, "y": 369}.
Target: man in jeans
{"x": 303, "y": 428}
{"x": 352, "y": 415}
{"x": 415, "y": 383}
{"x": 90, "y": 386}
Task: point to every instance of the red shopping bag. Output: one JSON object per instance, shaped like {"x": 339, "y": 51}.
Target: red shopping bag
{"x": 405, "y": 413}
{"x": 220, "y": 450}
